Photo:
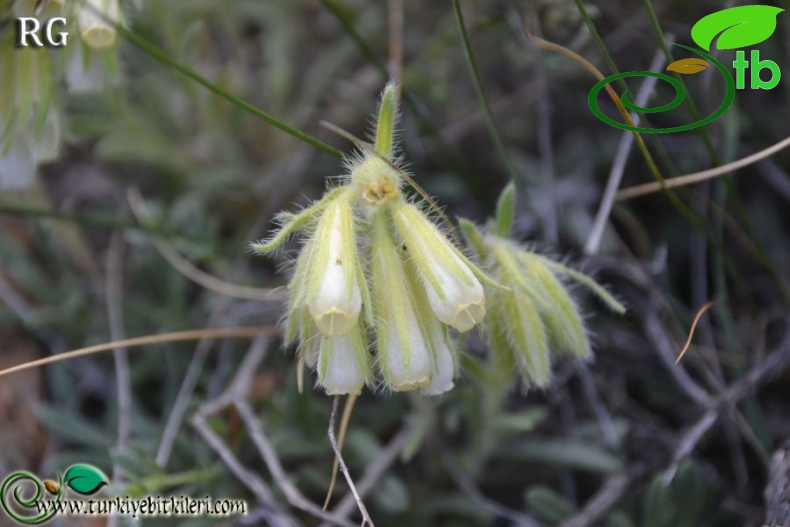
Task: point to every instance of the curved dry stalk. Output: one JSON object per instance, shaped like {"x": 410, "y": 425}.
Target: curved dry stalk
{"x": 699, "y": 314}
{"x": 697, "y": 177}
{"x": 202, "y": 278}
{"x": 366, "y": 519}
{"x": 347, "y": 409}
{"x": 618, "y": 166}
{"x": 176, "y": 336}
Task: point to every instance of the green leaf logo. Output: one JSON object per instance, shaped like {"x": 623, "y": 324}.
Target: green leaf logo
{"x": 85, "y": 479}
{"x": 739, "y": 27}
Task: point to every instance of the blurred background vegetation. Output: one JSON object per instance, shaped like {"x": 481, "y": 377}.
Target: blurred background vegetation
{"x": 627, "y": 440}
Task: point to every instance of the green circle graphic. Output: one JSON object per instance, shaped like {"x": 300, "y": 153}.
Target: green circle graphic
{"x": 15, "y": 481}
{"x": 592, "y": 98}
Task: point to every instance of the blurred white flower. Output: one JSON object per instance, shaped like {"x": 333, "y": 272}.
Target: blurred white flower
{"x": 96, "y": 18}
{"x": 17, "y": 166}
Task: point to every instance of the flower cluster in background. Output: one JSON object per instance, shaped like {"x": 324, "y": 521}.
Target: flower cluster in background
{"x": 533, "y": 311}
{"x": 30, "y": 114}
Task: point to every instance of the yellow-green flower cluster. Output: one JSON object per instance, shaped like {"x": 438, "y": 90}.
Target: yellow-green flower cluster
{"x": 376, "y": 269}
{"x": 533, "y": 312}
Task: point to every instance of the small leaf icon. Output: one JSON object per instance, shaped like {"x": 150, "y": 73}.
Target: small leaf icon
{"x": 739, "y": 27}
{"x": 688, "y": 66}
{"x": 85, "y": 479}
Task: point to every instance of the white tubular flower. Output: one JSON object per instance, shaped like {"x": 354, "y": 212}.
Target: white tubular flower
{"x": 406, "y": 359}
{"x": 455, "y": 294}
{"x": 444, "y": 367}
{"x": 95, "y": 30}
{"x": 335, "y": 302}
{"x": 404, "y": 345}
{"x": 17, "y": 166}
{"x": 342, "y": 363}
{"x": 85, "y": 72}
{"x": 46, "y": 144}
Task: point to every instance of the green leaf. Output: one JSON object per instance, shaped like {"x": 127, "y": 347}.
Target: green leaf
{"x": 565, "y": 453}
{"x": 548, "y": 505}
{"x": 85, "y": 479}
{"x": 392, "y": 495}
{"x": 523, "y": 421}
{"x": 388, "y": 115}
{"x": 619, "y": 518}
{"x": 586, "y": 281}
{"x": 72, "y": 427}
{"x": 473, "y": 237}
{"x": 659, "y": 510}
{"x": 505, "y": 211}
{"x": 738, "y": 27}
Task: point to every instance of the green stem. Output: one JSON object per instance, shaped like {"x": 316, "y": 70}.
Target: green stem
{"x": 470, "y": 60}
{"x": 425, "y": 122}
{"x": 729, "y": 195}
{"x": 154, "y": 52}
{"x": 100, "y": 220}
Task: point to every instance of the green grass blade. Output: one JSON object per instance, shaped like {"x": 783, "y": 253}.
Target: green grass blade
{"x": 470, "y": 60}
{"x": 154, "y": 52}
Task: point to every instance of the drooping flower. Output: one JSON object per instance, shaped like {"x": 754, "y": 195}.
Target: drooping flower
{"x": 443, "y": 374}
{"x": 404, "y": 342}
{"x": 96, "y": 18}
{"x": 454, "y": 292}
{"x": 343, "y": 363}
{"x": 334, "y": 298}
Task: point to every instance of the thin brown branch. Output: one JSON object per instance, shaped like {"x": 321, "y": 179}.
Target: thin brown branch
{"x": 177, "y": 336}
{"x": 605, "y": 499}
{"x": 265, "y": 448}
{"x": 697, "y": 177}
{"x": 375, "y": 471}
{"x": 210, "y": 282}
{"x": 468, "y": 486}
{"x": 344, "y": 421}
{"x": 366, "y": 519}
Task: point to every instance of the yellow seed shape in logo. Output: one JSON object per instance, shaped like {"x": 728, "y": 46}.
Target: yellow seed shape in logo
{"x": 51, "y": 486}
{"x": 688, "y": 66}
